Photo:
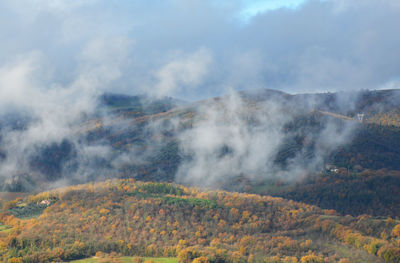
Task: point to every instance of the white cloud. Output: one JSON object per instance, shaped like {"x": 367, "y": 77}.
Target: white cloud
{"x": 184, "y": 71}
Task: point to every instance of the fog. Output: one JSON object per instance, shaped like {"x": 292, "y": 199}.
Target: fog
{"x": 58, "y": 57}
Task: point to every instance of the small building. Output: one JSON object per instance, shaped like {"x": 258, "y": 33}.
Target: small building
{"x": 331, "y": 168}
{"x": 45, "y": 202}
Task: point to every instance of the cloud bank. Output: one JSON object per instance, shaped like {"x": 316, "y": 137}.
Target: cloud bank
{"x": 316, "y": 46}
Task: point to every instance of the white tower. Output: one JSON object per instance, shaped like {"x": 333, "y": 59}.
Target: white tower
{"x": 360, "y": 117}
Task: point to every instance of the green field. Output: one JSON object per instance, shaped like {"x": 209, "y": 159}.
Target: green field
{"x": 4, "y": 228}
{"x": 129, "y": 260}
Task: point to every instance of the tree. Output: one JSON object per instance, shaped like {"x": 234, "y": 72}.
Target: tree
{"x": 201, "y": 260}
{"x": 312, "y": 258}
{"x": 396, "y": 231}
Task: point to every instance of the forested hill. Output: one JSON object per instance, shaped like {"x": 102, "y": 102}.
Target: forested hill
{"x": 152, "y": 128}
{"x": 145, "y": 138}
{"x": 160, "y": 219}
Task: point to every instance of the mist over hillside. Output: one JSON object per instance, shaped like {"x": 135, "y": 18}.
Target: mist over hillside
{"x": 252, "y": 135}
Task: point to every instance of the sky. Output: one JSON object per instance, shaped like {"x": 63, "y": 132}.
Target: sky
{"x": 195, "y": 49}
{"x": 255, "y": 7}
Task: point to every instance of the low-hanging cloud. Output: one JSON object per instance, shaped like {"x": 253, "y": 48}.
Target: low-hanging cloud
{"x": 53, "y": 111}
{"x": 57, "y": 57}
{"x": 236, "y": 138}
{"x": 224, "y": 144}
{"x": 182, "y": 73}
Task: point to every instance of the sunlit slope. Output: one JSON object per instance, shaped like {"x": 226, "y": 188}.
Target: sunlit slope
{"x": 164, "y": 220}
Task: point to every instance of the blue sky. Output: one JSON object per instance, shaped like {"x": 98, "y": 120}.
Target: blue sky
{"x": 252, "y": 8}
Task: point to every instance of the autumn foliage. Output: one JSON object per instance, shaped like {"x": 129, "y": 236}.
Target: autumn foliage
{"x": 166, "y": 220}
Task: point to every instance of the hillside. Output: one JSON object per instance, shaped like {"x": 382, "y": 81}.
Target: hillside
{"x": 165, "y": 220}
{"x": 144, "y": 138}
{"x": 139, "y": 105}
{"x": 372, "y": 192}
